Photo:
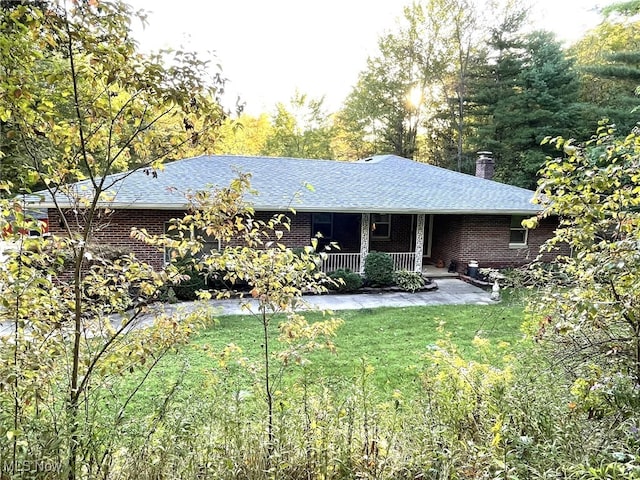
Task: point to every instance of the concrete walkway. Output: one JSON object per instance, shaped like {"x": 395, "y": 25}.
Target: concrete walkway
{"x": 450, "y": 291}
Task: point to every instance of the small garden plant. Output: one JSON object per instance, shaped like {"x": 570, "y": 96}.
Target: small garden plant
{"x": 408, "y": 281}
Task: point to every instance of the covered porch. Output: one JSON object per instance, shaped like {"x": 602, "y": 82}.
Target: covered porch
{"x": 406, "y": 238}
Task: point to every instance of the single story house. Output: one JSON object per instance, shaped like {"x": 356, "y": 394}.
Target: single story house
{"x": 418, "y": 213}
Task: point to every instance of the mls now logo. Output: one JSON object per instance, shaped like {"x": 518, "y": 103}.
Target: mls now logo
{"x": 30, "y": 466}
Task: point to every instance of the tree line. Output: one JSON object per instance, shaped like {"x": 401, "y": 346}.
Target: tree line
{"x": 450, "y": 80}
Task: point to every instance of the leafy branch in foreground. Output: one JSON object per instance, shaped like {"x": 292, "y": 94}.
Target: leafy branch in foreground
{"x": 253, "y": 254}
{"x": 595, "y": 319}
{"x": 79, "y": 102}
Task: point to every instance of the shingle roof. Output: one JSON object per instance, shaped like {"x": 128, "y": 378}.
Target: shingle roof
{"x": 381, "y": 184}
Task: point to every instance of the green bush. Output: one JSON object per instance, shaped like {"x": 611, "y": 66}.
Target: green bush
{"x": 350, "y": 281}
{"x": 408, "y": 281}
{"x": 187, "y": 290}
{"x": 378, "y": 269}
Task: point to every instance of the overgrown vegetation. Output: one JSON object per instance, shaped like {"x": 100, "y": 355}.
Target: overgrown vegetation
{"x": 587, "y": 314}
{"x": 91, "y": 383}
{"x": 464, "y": 400}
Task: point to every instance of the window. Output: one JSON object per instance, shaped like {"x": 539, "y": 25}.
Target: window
{"x": 518, "y": 234}
{"x": 210, "y": 243}
{"x": 381, "y": 225}
{"x": 323, "y": 223}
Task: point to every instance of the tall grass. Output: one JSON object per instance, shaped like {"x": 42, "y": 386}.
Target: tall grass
{"x": 459, "y": 418}
{"x": 449, "y": 392}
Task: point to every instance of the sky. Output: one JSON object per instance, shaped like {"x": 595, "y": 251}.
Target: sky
{"x": 269, "y": 48}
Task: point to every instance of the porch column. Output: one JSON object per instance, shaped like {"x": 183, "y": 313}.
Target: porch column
{"x": 365, "y": 228}
{"x": 419, "y": 242}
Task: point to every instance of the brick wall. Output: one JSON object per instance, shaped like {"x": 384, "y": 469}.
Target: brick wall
{"x": 485, "y": 238}
{"x": 400, "y": 239}
{"x": 300, "y": 233}
{"x": 455, "y": 237}
{"x": 114, "y": 228}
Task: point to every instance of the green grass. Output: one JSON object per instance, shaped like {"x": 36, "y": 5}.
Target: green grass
{"x": 391, "y": 340}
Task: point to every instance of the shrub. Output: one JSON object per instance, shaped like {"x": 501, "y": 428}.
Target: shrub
{"x": 350, "y": 281}
{"x": 188, "y": 289}
{"x": 408, "y": 281}
{"x": 378, "y": 269}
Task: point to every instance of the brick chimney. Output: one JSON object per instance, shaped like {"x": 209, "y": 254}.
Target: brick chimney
{"x": 485, "y": 165}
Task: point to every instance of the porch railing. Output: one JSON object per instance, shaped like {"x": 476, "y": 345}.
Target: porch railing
{"x": 404, "y": 260}
{"x": 335, "y": 261}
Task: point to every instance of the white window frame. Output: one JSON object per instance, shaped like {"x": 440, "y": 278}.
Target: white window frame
{"x": 516, "y": 226}
{"x": 375, "y": 221}
{"x": 314, "y": 230}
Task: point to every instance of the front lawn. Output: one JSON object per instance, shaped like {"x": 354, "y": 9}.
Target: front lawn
{"x": 390, "y": 340}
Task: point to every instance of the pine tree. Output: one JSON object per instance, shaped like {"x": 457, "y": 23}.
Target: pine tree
{"x": 528, "y": 93}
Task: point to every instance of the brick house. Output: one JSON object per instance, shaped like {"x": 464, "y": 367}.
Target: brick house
{"x": 418, "y": 213}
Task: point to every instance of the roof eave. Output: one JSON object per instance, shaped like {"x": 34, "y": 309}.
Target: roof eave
{"x": 413, "y": 211}
{"x": 118, "y": 206}
{"x": 314, "y": 208}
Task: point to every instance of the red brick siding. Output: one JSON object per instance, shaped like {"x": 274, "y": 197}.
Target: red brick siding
{"x": 455, "y": 237}
{"x": 300, "y": 233}
{"x": 400, "y": 239}
{"x": 485, "y": 238}
{"x": 115, "y": 227}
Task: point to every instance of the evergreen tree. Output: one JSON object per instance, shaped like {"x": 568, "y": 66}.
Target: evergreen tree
{"x": 533, "y": 95}
{"x": 493, "y": 83}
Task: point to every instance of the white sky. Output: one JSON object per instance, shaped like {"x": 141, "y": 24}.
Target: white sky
{"x": 268, "y": 48}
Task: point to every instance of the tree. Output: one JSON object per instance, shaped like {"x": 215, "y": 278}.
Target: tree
{"x": 301, "y": 130}
{"x": 433, "y": 55}
{"x": 609, "y": 64}
{"x": 627, "y": 9}
{"x": 534, "y": 94}
{"x": 346, "y": 143}
{"x": 466, "y": 36}
{"x": 387, "y": 104}
{"x": 37, "y": 57}
{"x": 589, "y": 307}
{"x": 277, "y": 277}
{"x": 82, "y": 103}
{"x": 494, "y": 79}
{"x": 245, "y": 135}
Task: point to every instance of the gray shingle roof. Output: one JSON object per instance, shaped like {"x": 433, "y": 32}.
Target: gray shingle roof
{"x": 381, "y": 184}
